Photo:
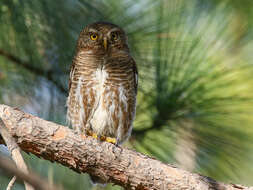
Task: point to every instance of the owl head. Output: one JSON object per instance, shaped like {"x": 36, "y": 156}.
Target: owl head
{"x": 102, "y": 38}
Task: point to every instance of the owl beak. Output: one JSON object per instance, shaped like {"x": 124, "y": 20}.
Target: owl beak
{"x": 105, "y": 43}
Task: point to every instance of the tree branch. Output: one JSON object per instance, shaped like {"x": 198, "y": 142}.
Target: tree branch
{"x": 37, "y": 182}
{"x": 15, "y": 151}
{"x": 40, "y": 72}
{"x": 11, "y": 183}
{"x": 49, "y": 76}
{"x": 102, "y": 160}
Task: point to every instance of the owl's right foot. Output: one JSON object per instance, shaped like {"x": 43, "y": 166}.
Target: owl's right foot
{"x": 94, "y": 135}
{"x": 110, "y": 140}
{"x": 102, "y": 138}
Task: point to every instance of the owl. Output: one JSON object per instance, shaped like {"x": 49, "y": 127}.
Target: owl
{"x": 103, "y": 84}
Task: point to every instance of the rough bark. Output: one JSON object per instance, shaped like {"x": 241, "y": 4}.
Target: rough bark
{"x": 15, "y": 152}
{"x": 37, "y": 182}
{"x": 102, "y": 160}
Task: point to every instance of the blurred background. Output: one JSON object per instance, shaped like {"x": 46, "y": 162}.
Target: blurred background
{"x": 195, "y": 98}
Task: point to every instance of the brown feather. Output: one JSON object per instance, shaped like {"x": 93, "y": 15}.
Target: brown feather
{"x": 103, "y": 84}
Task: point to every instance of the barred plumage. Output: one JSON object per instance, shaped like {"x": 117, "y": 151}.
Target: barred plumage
{"x": 103, "y": 83}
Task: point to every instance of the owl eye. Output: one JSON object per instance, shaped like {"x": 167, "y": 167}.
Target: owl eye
{"x": 114, "y": 36}
{"x": 93, "y": 36}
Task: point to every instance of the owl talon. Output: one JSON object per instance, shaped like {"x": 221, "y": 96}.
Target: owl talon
{"x": 94, "y": 135}
{"x": 102, "y": 138}
{"x": 110, "y": 140}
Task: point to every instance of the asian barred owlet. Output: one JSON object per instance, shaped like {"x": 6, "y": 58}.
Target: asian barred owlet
{"x": 103, "y": 84}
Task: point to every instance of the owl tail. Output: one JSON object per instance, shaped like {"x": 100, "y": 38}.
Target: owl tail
{"x": 96, "y": 181}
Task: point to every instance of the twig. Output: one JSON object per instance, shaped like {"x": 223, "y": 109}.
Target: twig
{"x": 15, "y": 151}
{"x": 28, "y": 66}
{"x": 101, "y": 160}
{"x": 11, "y": 183}
{"x": 37, "y": 182}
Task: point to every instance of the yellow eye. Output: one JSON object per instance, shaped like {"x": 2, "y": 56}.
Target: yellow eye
{"x": 93, "y": 36}
{"x": 114, "y": 36}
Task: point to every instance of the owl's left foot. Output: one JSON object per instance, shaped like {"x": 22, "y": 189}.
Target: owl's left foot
{"x": 110, "y": 140}
{"x": 94, "y": 135}
{"x": 102, "y": 138}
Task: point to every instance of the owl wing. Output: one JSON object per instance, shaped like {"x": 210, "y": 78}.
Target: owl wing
{"x": 82, "y": 99}
{"x": 71, "y": 74}
{"x": 135, "y": 72}
{"x": 124, "y": 121}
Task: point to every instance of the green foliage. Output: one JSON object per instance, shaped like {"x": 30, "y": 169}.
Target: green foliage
{"x": 195, "y": 67}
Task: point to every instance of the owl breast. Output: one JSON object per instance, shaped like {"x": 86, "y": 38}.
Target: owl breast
{"x": 102, "y": 97}
{"x": 100, "y": 120}
{"x": 110, "y": 114}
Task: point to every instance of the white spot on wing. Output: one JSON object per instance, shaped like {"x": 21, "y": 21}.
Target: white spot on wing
{"x": 79, "y": 99}
{"x": 68, "y": 114}
{"x": 78, "y": 89}
{"x": 122, "y": 97}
